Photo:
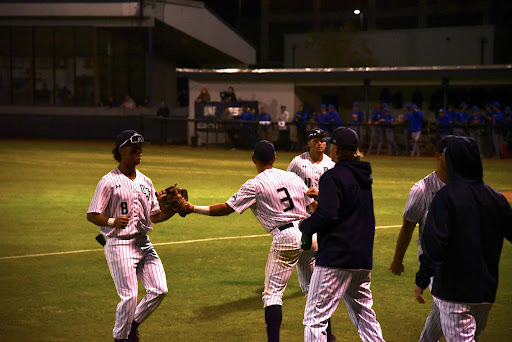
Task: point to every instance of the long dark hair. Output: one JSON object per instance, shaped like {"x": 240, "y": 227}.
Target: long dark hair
{"x": 117, "y": 155}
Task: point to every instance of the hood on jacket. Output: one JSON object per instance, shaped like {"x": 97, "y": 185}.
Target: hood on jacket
{"x": 362, "y": 171}
{"x": 463, "y": 160}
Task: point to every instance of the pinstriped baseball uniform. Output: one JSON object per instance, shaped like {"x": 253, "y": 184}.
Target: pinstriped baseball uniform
{"x": 278, "y": 200}
{"x": 308, "y": 170}
{"x": 416, "y": 210}
{"x": 128, "y": 251}
{"x": 463, "y": 322}
{"x": 328, "y": 287}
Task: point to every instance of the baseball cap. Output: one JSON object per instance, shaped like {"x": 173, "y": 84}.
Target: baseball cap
{"x": 474, "y": 108}
{"x": 264, "y": 151}
{"x": 345, "y": 138}
{"x": 331, "y": 106}
{"x": 128, "y": 136}
{"x": 463, "y": 104}
{"x": 283, "y": 106}
{"x": 496, "y": 104}
{"x": 356, "y": 104}
{"x": 441, "y": 110}
{"x": 316, "y": 133}
{"x": 444, "y": 142}
{"x": 323, "y": 106}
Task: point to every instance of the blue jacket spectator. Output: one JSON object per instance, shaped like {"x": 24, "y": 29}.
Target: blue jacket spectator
{"x": 321, "y": 118}
{"x": 415, "y": 119}
{"x": 333, "y": 118}
{"x": 444, "y": 122}
{"x": 357, "y": 114}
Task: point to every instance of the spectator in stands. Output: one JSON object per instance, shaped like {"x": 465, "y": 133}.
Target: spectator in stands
{"x": 248, "y": 127}
{"x": 475, "y": 123}
{"x": 283, "y": 119}
{"x": 128, "y": 103}
{"x": 415, "y": 120}
{"x": 228, "y": 95}
{"x": 204, "y": 96}
{"x": 183, "y": 97}
{"x": 265, "y": 125}
{"x": 163, "y": 110}
{"x": 146, "y": 102}
{"x": 300, "y": 120}
{"x": 111, "y": 103}
{"x": 402, "y": 121}
{"x": 356, "y": 123}
{"x": 375, "y": 128}
{"x": 387, "y": 123}
{"x": 333, "y": 118}
{"x": 459, "y": 120}
{"x": 507, "y": 127}
{"x": 321, "y": 118}
{"x": 497, "y": 129}
{"x": 444, "y": 124}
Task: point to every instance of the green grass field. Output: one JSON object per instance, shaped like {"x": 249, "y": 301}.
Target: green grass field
{"x": 56, "y": 285}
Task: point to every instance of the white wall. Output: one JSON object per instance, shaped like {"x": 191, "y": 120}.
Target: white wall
{"x": 414, "y": 47}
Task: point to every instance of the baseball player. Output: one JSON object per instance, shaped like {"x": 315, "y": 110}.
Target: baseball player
{"x": 462, "y": 241}
{"x": 312, "y": 164}
{"x": 124, "y": 205}
{"x": 278, "y": 200}
{"x": 345, "y": 224}
{"x": 416, "y": 210}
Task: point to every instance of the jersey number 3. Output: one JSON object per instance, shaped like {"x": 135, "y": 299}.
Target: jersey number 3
{"x": 286, "y": 199}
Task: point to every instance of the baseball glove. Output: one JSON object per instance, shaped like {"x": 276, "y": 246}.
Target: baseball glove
{"x": 174, "y": 199}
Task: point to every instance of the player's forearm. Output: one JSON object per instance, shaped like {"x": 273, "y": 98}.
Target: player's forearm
{"x": 221, "y": 209}
{"x": 98, "y": 219}
{"x": 404, "y": 239}
{"x": 162, "y": 216}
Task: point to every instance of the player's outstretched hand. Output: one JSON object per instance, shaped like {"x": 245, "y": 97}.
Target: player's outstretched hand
{"x": 174, "y": 199}
{"x": 312, "y": 192}
{"x": 418, "y": 294}
{"x": 397, "y": 267}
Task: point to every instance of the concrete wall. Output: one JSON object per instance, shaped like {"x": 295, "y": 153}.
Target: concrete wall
{"x": 414, "y": 47}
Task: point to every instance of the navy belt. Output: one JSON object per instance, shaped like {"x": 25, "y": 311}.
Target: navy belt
{"x": 285, "y": 226}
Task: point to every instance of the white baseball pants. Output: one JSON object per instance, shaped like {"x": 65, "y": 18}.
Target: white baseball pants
{"x": 328, "y": 286}
{"x": 462, "y": 322}
{"x": 127, "y": 259}
{"x": 285, "y": 253}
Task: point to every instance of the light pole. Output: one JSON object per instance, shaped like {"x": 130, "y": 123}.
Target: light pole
{"x": 360, "y": 14}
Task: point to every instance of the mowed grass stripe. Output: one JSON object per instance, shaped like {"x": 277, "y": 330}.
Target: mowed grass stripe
{"x": 155, "y": 244}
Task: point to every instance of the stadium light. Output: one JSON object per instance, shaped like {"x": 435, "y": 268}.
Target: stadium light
{"x": 356, "y": 11}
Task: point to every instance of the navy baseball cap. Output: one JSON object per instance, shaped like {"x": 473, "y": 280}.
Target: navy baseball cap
{"x": 444, "y": 142}
{"x": 264, "y": 151}
{"x": 345, "y": 138}
{"x": 356, "y": 104}
{"x": 496, "y": 104}
{"x": 463, "y": 104}
{"x": 128, "y": 136}
{"x": 316, "y": 133}
{"x": 441, "y": 110}
{"x": 474, "y": 108}
{"x": 323, "y": 106}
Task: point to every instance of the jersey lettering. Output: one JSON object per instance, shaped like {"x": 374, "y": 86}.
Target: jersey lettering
{"x": 124, "y": 208}
{"x": 286, "y": 199}
{"x": 308, "y": 182}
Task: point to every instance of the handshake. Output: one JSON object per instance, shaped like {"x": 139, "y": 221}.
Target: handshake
{"x": 175, "y": 200}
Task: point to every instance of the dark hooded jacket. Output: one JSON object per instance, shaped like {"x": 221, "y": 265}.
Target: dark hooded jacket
{"x": 464, "y": 231}
{"x": 344, "y": 220}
